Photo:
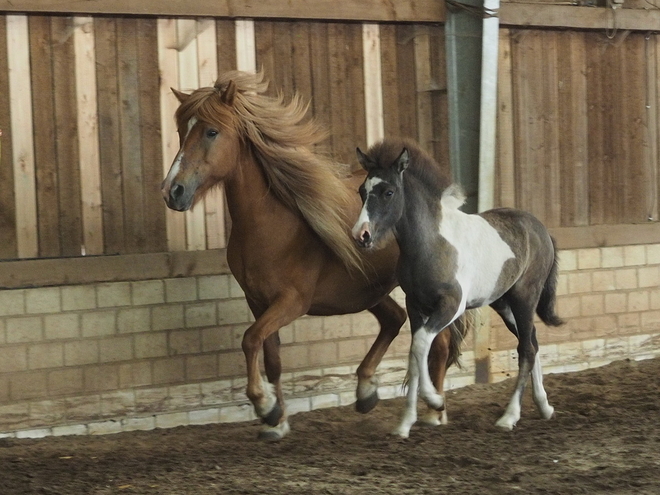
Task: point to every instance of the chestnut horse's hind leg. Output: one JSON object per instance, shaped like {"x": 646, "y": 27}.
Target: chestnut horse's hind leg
{"x": 391, "y": 317}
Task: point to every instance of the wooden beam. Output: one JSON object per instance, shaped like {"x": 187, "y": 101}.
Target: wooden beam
{"x": 360, "y": 10}
{"x": 97, "y": 269}
{"x": 606, "y": 235}
{"x": 567, "y": 16}
{"x": 373, "y": 83}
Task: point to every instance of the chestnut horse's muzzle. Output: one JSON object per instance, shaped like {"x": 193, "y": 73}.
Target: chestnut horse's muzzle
{"x": 176, "y": 196}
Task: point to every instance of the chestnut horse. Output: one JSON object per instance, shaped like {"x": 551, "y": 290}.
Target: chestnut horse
{"x": 290, "y": 247}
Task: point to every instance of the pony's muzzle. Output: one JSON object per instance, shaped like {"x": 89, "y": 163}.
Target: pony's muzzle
{"x": 363, "y": 236}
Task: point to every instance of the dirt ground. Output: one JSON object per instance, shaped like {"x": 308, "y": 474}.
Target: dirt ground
{"x": 605, "y": 438}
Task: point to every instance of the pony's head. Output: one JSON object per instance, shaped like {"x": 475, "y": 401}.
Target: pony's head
{"x": 382, "y": 197}
{"x": 208, "y": 139}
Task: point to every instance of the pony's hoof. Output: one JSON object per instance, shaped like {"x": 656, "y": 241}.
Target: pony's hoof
{"x": 367, "y": 404}
{"x": 548, "y": 413}
{"x": 505, "y": 423}
{"x": 400, "y": 432}
{"x": 434, "y": 418}
{"x": 274, "y": 433}
{"x": 274, "y": 416}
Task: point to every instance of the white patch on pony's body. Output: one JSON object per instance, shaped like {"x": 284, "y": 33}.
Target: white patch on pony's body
{"x": 481, "y": 251}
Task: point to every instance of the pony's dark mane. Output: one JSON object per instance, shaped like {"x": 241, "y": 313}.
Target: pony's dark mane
{"x": 422, "y": 165}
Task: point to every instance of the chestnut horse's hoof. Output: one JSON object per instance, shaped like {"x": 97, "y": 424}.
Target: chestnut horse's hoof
{"x": 274, "y": 416}
{"x": 367, "y": 404}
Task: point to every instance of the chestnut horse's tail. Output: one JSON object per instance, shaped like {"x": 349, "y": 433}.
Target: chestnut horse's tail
{"x": 545, "y": 309}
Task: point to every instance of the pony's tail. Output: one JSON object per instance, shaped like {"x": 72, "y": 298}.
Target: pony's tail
{"x": 459, "y": 329}
{"x": 546, "y": 306}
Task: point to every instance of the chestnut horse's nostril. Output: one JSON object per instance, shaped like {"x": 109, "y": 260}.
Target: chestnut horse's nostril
{"x": 176, "y": 191}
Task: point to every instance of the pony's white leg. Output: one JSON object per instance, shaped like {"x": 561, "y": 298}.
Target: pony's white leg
{"x": 410, "y": 412}
{"x": 421, "y": 346}
{"x": 512, "y": 413}
{"x": 274, "y": 433}
{"x": 540, "y": 396}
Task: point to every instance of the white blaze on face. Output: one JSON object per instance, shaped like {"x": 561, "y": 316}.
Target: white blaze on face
{"x": 176, "y": 166}
{"x": 364, "y": 213}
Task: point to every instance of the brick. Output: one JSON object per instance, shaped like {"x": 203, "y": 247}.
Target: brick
{"x": 138, "y": 424}
{"x": 204, "y": 416}
{"x": 113, "y": 295}
{"x": 634, "y": 255}
{"x": 101, "y": 378}
{"x": 135, "y": 374}
{"x": 235, "y": 289}
{"x": 605, "y": 324}
{"x": 152, "y": 400}
{"x": 628, "y": 322}
{"x": 185, "y": 396}
{"x": 233, "y": 311}
{"x": 654, "y": 296}
{"x": 217, "y": 392}
{"x": 579, "y": 283}
{"x": 13, "y": 358}
{"x": 364, "y": 324}
{"x": 650, "y": 321}
{"x": 148, "y": 345}
{"x": 78, "y": 297}
{"x": 43, "y": 300}
{"x": 50, "y": 355}
{"x": 104, "y": 427}
{"x": 83, "y": 409}
{"x": 115, "y": 349}
{"x": 638, "y": 301}
{"x": 616, "y": 347}
{"x": 62, "y": 326}
{"x": 24, "y": 329}
{"x": 147, "y": 292}
{"x": 237, "y": 332}
{"x": 81, "y": 352}
{"x": 308, "y": 329}
{"x": 591, "y": 304}
{"x": 235, "y": 414}
{"x": 29, "y": 385}
{"x": 217, "y": 339}
{"x": 99, "y": 323}
{"x": 133, "y": 320}
{"x": 616, "y": 302}
{"x": 169, "y": 370}
{"x": 232, "y": 364}
{"x": 602, "y": 281}
{"x": 297, "y": 356}
{"x": 201, "y": 367}
{"x": 213, "y": 287}
{"x": 47, "y": 412}
{"x": 649, "y": 276}
{"x": 200, "y": 315}
{"x": 4, "y": 389}
{"x": 323, "y": 353}
{"x": 612, "y": 257}
{"x": 351, "y": 350}
{"x": 172, "y": 420}
{"x": 588, "y": 258}
{"x": 568, "y": 260}
{"x": 626, "y": 278}
{"x": 34, "y": 433}
{"x": 184, "y": 342}
{"x": 14, "y": 416}
{"x": 337, "y": 327}
{"x": 594, "y": 348}
{"x": 568, "y": 306}
{"x": 324, "y": 401}
{"x": 562, "y": 284}
{"x": 65, "y": 382}
{"x": 61, "y": 431}
{"x": 286, "y": 334}
{"x": 12, "y": 302}
{"x": 653, "y": 254}
{"x": 167, "y": 317}
{"x": 180, "y": 290}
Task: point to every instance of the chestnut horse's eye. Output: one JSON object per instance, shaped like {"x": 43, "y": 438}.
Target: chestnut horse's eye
{"x": 211, "y": 133}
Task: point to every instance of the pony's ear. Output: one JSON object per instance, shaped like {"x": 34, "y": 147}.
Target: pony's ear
{"x": 364, "y": 160}
{"x": 403, "y": 160}
{"x": 180, "y": 95}
{"x": 228, "y": 96}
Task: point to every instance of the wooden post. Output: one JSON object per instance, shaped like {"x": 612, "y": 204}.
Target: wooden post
{"x": 373, "y": 83}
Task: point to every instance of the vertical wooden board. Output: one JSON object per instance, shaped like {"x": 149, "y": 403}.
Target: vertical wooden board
{"x": 406, "y": 75}
{"x": 373, "y": 83}
{"x": 245, "y": 45}
{"x": 301, "y": 60}
{"x": 88, "y": 141}
{"x": 388, "y": 64}
{"x": 20, "y": 100}
{"x": 45, "y": 146}
{"x": 320, "y": 75}
{"x": 572, "y": 123}
{"x": 595, "y": 119}
{"x": 64, "y": 88}
{"x": 129, "y": 126}
{"x": 654, "y": 96}
{"x": 8, "y": 249}
{"x": 439, "y": 100}
{"x": 505, "y": 186}
{"x": 265, "y": 52}
{"x": 152, "y": 159}
{"x": 168, "y": 67}
{"x": 423, "y": 85}
{"x": 282, "y": 77}
{"x": 110, "y": 145}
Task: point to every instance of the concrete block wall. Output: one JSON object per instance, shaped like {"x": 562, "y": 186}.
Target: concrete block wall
{"x": 610, "y": 299}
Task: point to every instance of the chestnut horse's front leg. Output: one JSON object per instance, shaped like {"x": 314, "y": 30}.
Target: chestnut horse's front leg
{"x": 280, "y": 313}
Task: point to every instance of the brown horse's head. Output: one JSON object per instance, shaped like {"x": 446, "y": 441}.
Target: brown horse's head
{"x": 208, "y": 144}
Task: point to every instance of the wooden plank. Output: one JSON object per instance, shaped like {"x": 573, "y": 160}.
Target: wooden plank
{"x": 45, "y": 144}
{"x": 390, "y": 95}
{"x": 64, "y": 90}
{"x": 520, "y": 14}
{"x": 214, "y": 202}
{"x": 189, "y": 80}
{"x": 439, "y": 96}
{"x": 505, "y": 190}
{"x": 320, "y": 75}
{"x": 550, "y": 138}
{"x": 407, "y": 84}
{"x": 7, "y": 200}
{"x": 149, "y": 103}
{"x": 245, "y": 45}
{"x": 264, "y": 52}
{"x": 361, "y": 10}
{"x": 373, "y": 83}
{"x": 88, "y": 137}
{"x": 301, "y": 59}
{"x": 606, "y": 235}
{"x": 167, "y": 61}
{"x": 654, "y": 123}
{"x": 98, "y": 269}
{"x": 424, "y": 85}
{"x": 20, "y": 100}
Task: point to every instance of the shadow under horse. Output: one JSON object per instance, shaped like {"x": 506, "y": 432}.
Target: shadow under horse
{"x": 290, "y": 247}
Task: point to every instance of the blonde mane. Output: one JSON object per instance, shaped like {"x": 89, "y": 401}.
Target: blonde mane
{"x": 283, "y": 145}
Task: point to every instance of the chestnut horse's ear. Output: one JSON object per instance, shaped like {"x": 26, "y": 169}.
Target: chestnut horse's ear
{"x": 364, "y": 160}
{"x": 228, "y": 96}
{"x": 180, "y": 95}
{"x": 403, "y": 160}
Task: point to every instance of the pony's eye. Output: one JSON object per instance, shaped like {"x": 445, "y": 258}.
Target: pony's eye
{"x": 211, "y": 133}
{"x": 389, "y": 193}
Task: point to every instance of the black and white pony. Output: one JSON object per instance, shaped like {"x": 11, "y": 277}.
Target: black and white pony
{"x": 452, "y": 261}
